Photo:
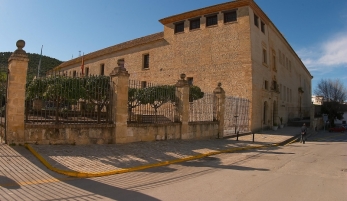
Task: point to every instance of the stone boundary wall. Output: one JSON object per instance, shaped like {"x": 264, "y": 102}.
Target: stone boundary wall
{"x": 69, "y": 134}
{"x": 117, "y": 132}
{"x": 97, "y": 134}
{"x": 171, "y": 131}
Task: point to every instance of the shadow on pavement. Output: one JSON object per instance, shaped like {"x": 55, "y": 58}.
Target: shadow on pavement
{"x": 109, "y": 191}
{"x": 34, "y": 178}
{"x": 214, "y": 162}
{"x": 8, "y": 183}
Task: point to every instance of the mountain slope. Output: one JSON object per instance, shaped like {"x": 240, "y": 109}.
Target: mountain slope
{"x": 47, "y": 63}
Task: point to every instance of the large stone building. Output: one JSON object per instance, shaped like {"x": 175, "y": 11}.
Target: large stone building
{"x": 234, "y": 43}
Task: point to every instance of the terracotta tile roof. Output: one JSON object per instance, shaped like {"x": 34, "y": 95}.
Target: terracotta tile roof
{"x": 115, "y": 48}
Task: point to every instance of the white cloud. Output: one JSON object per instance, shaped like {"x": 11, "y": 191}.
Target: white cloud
{"x": 335, "y": 52}
{"x": 326, "y": 56}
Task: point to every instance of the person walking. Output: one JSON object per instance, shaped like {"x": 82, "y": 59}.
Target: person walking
{"x": 303, "y": 133}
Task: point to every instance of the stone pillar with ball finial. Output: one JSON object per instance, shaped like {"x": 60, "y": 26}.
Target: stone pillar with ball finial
{"x": 120, "y": 79}
{"x": 219, "y": 97}
{"x": 182, "y": 92}
{"x": 15, "y": 105}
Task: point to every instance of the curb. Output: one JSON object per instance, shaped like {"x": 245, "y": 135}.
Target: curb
{"x": 142, "y": 167}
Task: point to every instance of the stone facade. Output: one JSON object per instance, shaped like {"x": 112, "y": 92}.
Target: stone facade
{"x": 251, "y": 60}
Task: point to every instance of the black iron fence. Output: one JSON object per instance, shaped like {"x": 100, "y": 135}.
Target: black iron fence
{"x": 151, "y": 103}
{"x": 203, "y": 109}
{"x": 236, "y": 118}
{"x": 60, "y": 99}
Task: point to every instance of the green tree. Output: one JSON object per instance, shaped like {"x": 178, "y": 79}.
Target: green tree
{"x": 98, "y": 92}
{"x": 134, "y": 99}
{"x": 156, "y": 96}
{"x": 334, "y": 93}
{"x": 195, "y": 93}
{"x": 60, "y": 90}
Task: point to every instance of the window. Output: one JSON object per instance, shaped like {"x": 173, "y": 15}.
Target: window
{"x": 266, "y": 85}
{"x": 102, "y": 69}
{"x": 262, "y": 26}
{"x": 274, "y": 86}
{"x": 290, "y": 65}
{"x": 190, "y": 80}
{"x": 280, "y": 88}
{"x": 280, "y": 58}
{"x": 179, "y": 27}
{"x": 287, "y": 63}
{"x": 283, "y": 93}
{"x": 87, "y": 71}
{"x": 283, "y": 57}
{"x": 143, "y": 84}
{"x": 146, "y": 61}
{"x": 264, "y": 56}
{"x": 274, "y": 63}
{"x": 256, "y": 20}
{"x": 230, "y": 16}
{"x": 74, "y": 73}
{"x": 211, "y": 20}
{"x": 195, "y": 24}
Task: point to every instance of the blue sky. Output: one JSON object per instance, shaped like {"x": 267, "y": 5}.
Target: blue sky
{"x": 316, "y": 29}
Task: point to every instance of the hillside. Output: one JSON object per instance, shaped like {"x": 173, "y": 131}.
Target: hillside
{"x": 47, "y": 63}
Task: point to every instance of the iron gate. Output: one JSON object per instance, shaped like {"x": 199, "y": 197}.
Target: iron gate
{"x": 236, "y": 118}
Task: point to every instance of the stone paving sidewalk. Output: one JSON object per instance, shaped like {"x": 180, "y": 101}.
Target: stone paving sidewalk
{"x": 102, "y": 158}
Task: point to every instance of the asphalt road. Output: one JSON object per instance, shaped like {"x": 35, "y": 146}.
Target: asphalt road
{"x": 315, "y": 171}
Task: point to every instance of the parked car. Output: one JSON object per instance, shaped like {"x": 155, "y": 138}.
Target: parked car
{"x": 337, "y": 129}
{"x": 345, "y": 126}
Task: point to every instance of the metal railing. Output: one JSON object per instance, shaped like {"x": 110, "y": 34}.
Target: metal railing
{"x": 70, "y": 100}
{"x": 236, "y": 118}
{"x": 202, "y": 109}
{"x": 151, "y": 103}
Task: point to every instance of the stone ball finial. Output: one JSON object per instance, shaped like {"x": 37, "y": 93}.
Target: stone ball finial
{"x": 183, "y": 76}
{"x": 20, "y": 44}
{"x": 219, "y": 84}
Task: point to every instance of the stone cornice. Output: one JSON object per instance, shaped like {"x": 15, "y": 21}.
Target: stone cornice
{"x": 205, "y": 11}
{"x": 112, "y": 49}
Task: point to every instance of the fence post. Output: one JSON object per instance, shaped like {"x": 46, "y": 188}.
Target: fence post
{"x": 120, "y": 79}
{"x": 219, "y": 94}
{"x": 182, "y": 88}
{"x": 15, "y": 106}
